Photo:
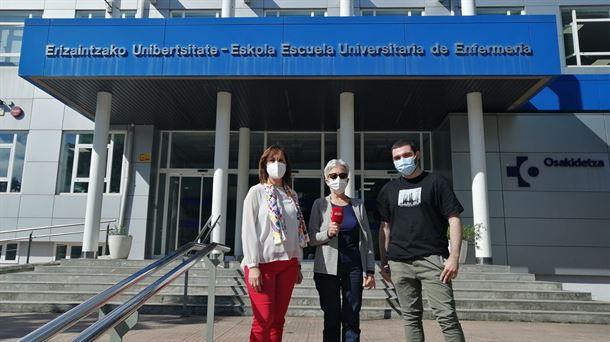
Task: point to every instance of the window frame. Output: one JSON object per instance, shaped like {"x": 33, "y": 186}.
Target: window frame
{"x": 16, "y": 24}
{"x": 215, "y": 11}
{"x": 109, "y": 156}
{"x": 312, "y": 12}
{"x": 90, "y": 14}
{"x": 12, "y": 147}
{"x": 573, "y": 27}
{"x": 4, "y": 250}
{"x": 512, "y": 10}
{"x": 408, "y": 11}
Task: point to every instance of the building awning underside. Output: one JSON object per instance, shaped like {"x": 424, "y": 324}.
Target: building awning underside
{"x": 293, "y": 104}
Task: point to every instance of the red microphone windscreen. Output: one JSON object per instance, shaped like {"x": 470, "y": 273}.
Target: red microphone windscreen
{"x": 336, "y": 215}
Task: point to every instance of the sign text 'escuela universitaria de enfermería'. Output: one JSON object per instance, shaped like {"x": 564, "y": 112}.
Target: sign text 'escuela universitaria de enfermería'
{"x": 289, "y": 50}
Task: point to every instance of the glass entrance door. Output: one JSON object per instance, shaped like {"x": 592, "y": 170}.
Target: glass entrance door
{"x": 308, "y": 189}
{"x": 187, "y": 207}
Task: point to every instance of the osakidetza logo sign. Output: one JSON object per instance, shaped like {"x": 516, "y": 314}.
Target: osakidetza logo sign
{"x": 521, "y": 168}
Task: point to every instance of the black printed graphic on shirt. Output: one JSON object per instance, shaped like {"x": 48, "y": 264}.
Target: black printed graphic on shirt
{"x": 409, "y": 197}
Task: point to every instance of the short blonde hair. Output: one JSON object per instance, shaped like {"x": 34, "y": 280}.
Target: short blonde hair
{"x": 333, "y": 163}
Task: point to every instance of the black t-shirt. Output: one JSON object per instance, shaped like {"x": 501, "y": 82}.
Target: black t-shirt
{"x": 417, "y": 210}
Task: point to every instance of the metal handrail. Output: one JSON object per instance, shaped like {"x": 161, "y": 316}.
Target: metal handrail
{"x": 49, "y": 227}
{"x": 125, "y": 310}
{"x": 83, "y": 310}
{"x": 46, "y": 235}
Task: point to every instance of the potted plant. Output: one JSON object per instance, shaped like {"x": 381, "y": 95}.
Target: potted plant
{"x": 119, "y": 242}
{"x": 469, "y": 235}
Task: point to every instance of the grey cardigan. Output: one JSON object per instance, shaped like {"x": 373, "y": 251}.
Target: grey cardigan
{"x": 327, "y": 251}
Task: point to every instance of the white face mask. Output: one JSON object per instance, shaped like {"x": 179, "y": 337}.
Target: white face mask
{"x": 337, "y": 185}
{"x": 276, "y": 170}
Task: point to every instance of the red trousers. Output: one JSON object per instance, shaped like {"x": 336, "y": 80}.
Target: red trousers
{"x": 270, "y": 305}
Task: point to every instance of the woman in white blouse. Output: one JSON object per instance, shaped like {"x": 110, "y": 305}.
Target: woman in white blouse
{"x": 273, "y": 236}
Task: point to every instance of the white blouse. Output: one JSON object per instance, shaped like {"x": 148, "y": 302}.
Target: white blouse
{"x": 257, "y": 231}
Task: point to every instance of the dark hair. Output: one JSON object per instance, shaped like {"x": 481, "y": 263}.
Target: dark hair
{"x": 406, "y": 142}
{"x": 273, "y": 150}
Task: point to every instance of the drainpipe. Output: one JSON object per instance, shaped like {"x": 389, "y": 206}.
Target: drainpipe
{"x": 126, "y": 174}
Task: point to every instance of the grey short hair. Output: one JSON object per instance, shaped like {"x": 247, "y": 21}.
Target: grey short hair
{"x": 333, "y": 163}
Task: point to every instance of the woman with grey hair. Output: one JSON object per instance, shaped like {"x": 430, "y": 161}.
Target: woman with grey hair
{"x": 345, "y": 260}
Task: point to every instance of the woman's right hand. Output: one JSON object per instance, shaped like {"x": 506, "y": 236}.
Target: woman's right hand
{"x": 255, "y": 278}
{"x": 333, "y": 230}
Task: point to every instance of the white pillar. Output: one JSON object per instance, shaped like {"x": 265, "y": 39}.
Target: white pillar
{"x": 225, "y": 11}
{"x": 140, "y": 9}
{"x": 346, "y": 8}
{"x": 478, "y": 171}
{"x": 243, "y": 166}
{"x": 469, "y": 7}
{"x": 97, "y": 170}
{"x": 346, "y": 137}
{"x": 221, "y": 165}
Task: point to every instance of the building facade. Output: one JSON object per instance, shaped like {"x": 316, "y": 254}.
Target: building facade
{"x": 544, "y": 194}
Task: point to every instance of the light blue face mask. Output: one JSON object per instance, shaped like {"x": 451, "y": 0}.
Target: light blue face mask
{"x": 405, "y": 166}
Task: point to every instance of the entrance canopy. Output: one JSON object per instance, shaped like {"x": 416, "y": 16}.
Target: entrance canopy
{"x": 287, "y": 73}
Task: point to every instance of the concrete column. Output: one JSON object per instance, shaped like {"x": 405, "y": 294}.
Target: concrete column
{"x": 140, "y": 9}
{"x": 346, "y": 8}
{"x": 346, "y": 137}
{"x": 469, "y": 7}
{"x": 97, "y": 170}
{"x": 226, "y": 8}
{"x": 243, "y": 166}
{"x": 478, "y": 171}
{"x": 221, "y": 165}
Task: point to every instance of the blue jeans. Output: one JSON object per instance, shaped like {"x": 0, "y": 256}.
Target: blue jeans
{"x": 347, "y": 284}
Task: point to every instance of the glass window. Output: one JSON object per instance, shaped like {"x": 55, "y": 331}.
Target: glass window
{"x": 391, "y": 11}
{"x": 97, "y": 14}
{"x": 303, "y": 149}
{"x": 192, "y": 150}
{"x": 257, "y": 147}
{"x": 213, "y": 13}
{"x": 75, "y": 162}
{"x": 75, "y": 252}
{"x": 11, "y": 252}
{"x": 12, "y": 155}
{"x": 330, "y": 147}
{"x": 296, "y": 13}
{"x": 61, "y": 252}
{"x": 378, "y": 149}
{"x": 128, "y": 14}
{"x": 11, "y": 34}
{"x": 500, "y": 11}
{"x": 586, "y": 35}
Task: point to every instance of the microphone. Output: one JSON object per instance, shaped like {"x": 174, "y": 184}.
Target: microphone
{"x": 336, "y": 215}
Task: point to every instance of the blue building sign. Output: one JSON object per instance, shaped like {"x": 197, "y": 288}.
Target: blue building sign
{"x": 292, "y": 47}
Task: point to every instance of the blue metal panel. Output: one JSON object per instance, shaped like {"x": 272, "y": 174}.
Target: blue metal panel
{"x": 573, "y": 93}
{"x": 381, "y": 46}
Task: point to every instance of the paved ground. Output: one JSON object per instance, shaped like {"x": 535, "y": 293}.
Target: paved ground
{"x": 229, "y": 329}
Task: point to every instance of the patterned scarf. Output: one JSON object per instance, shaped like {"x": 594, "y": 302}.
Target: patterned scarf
{"x": 277, "y": 222}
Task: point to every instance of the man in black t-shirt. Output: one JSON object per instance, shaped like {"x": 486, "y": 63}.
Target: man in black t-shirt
{"x": 415, "y": 211}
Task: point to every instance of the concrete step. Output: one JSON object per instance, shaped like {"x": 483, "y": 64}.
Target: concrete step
{"x": 307, "y": 265}
{"x": 299, "y": 290}
{"x": 149, "y": 308}
{"x": 369, "y": 300}
{"x": 465, "y": 314}
{"x": 464, "y": 275}
{"x": 238, "y": 279}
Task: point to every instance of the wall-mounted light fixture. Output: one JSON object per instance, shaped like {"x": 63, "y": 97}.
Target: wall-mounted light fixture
{"x": 15, "y": 111}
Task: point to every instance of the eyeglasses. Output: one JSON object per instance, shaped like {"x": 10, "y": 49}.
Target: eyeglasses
{"x": 335, "y": 175}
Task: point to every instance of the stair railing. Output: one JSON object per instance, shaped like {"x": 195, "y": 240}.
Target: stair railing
{"x": 111, "y": 319}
